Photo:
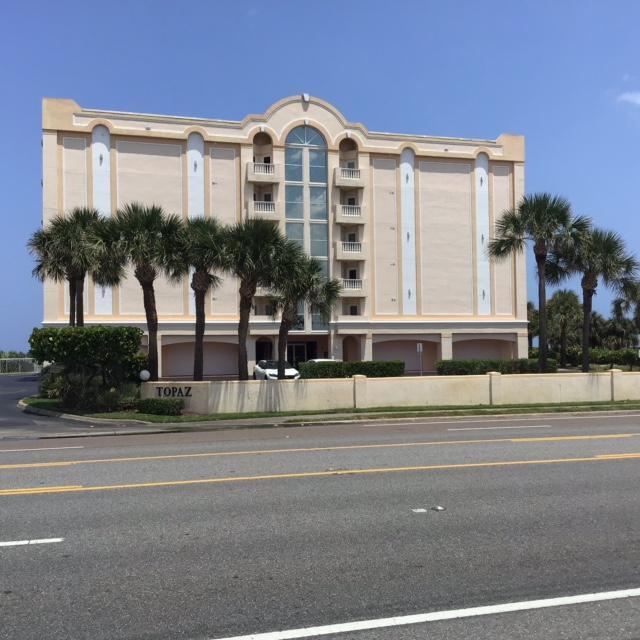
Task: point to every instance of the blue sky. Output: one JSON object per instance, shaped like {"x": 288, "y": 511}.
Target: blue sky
{"x": 565, "y": 74}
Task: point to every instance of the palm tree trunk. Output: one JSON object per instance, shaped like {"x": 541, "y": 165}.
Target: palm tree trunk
{"x": 587, "y": 303}
{"x": 72, "y": 302}
{"x": 198, "y": 351}
{"x": 80, "y": 302}
{"x": 283, "y": 336}
{"x": 149, "y": 297}
{"x": 563, "y": 346}
{"x": 246, "y": 299}
{"x": 541, "y": 261}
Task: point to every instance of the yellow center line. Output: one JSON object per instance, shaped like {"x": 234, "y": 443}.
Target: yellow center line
{"x": 259, "y": 452}
{"x": 313, "y": 474}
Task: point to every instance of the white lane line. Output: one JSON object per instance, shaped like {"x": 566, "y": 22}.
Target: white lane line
{"x": 408, "y": 421}
{"x": 437, "y": 616}
{"x": 39, "y": 449}
{"x": 20, "y": 543}
{"x": 532, "y": 426}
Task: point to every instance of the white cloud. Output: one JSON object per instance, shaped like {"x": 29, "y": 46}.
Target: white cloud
{"x": 631, "y": 97}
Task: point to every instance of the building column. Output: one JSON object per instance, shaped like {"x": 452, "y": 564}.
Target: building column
{"x": 251, "y": 354}
{"x": 523, "y": 345}
{"x": 336, "y": 351}
{"x": 159, "y": 342}
{"x": 366, "y": 347}
{"x": 446, "y": 345}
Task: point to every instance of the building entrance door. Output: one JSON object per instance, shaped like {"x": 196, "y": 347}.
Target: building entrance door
{"x": 296, "y": 353}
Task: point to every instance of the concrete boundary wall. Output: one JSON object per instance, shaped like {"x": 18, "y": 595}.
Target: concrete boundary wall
{"x": 361, "y": 392}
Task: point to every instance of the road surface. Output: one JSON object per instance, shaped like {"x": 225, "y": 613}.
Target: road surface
{"x": 226, "y": 534}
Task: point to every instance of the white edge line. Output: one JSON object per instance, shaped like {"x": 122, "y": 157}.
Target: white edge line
{"x": 533, "y": 426}
{"x": 40, "y": 449}
{"x": 20, "y": 543}
{"x": 409, "y": 421}
{"x": 437, "y": 616}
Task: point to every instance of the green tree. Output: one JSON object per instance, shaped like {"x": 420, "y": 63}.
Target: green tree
{"x": 251, "y": 247}
{"x": 198, "y": 252}
{"x": 144, "y": 237}
{"x": 298, "y": 279}
{"x": 599, "y": 256}
{"x": 545, "y": 221}
{"x": 67, "y": 249}
{"x": 564, "y": 313}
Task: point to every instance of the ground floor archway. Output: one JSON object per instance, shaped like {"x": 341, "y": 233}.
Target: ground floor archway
{"x": 407, "y": 351}
{"x": 484, "y": 348}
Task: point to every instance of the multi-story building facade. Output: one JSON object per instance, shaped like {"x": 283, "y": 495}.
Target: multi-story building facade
{"x": 402, "y": 220}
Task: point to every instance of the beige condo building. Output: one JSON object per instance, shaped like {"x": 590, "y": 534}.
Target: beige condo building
{"x": 402, "y": 220}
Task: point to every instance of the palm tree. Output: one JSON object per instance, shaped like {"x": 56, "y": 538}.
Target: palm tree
{"x": 299, "y": 279}
{"x": 564, "y": 319}
{"x": 146, "y": 237}
{"x": 533, "y": 321}
{"x": 199, "y": 252}
{"x": 545, "y": 221}
{"x": 599, "y": 256}
{"x": 251, "y": 247}
{"x": 67, "y": 249}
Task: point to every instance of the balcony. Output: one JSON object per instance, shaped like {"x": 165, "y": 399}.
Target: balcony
{"x": 261, "y": 209}
{"x": 349, "y": 213}
{"x": 345, "y": 178}
{"x": 263, "y": 173}
{"x": 353, "y": 288}
{"x": 349, "y": 250}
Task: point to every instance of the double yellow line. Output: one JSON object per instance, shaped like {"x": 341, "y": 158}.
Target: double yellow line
{"x": 313, "y": 474}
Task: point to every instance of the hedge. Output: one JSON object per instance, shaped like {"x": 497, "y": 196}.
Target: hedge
{"x": 93, "y": 367}
{"x": 596, "y": 356}
{"x": 161, "y": 406}
{"x": 370, "y": 368}
{"x": 480, "y": 367}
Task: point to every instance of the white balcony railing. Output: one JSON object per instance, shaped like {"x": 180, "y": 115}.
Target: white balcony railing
{"x": 262, "y": 168}
{"x": 349, "y": 174}
{"x": 260, "y": 206}
{"x": 352, "y": 247}
{"x": 352, "y": 284}
{"x": 351, "y": 210}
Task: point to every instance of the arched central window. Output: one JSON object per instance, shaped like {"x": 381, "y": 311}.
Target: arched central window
{"x": 306, "y": 206}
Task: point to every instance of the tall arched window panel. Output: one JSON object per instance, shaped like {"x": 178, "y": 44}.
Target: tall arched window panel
{"x": 306, "y": 202}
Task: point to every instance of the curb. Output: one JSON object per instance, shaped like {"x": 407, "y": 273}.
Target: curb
{"x": 194, "y": 427}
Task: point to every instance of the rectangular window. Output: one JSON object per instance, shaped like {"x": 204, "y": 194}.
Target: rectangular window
{"x": 351, "y": 201}
{"x": 293, "y": 165}
{"x": 318, "y": 323}
{"x": 318, "y": 196}
{"x": 317, "y": 166}
{"x": 353, "y": 310}
{"x": 295, "y": 232}
{"x": 293, "y": 202}
{"x": 319, "y": 240}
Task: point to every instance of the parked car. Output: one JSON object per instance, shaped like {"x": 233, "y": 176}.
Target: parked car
{"x": 325, "y": 360}
{"x": 268, "y": 370}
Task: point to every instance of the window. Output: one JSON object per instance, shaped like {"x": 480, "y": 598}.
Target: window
{"x": 353, "y": 310}
{"x": 351, "y": 164}
{"x": 305, "y": 136}
{"x": 352, "y": 237}
{"x": 266, "y": 160}
{"x": 267, "y": 197}
{"x": 293, "y": 165}
{"x": 293, "y": 196}
{"x": 319, "y": 243}
{"x": 353, "y": 274}
{"x": 317, "y": 166}
{"x": 318, "y": 198}
{"x": 351, "y": 201}
{"x": 295, "y": 232}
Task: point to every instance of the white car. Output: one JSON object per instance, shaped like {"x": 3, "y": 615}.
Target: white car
{"x": 325, "y": 360}
{"x": 268, "y": 370}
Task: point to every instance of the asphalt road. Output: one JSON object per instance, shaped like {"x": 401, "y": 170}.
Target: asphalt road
{"x": 221, "y": 534}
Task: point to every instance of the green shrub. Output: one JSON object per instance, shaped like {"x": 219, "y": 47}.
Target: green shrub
{"x": 161, "y": 406}
{"x": 371, "y": 369}
{"x": 480, "y": 367}
{"x": 93, "y": 368}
